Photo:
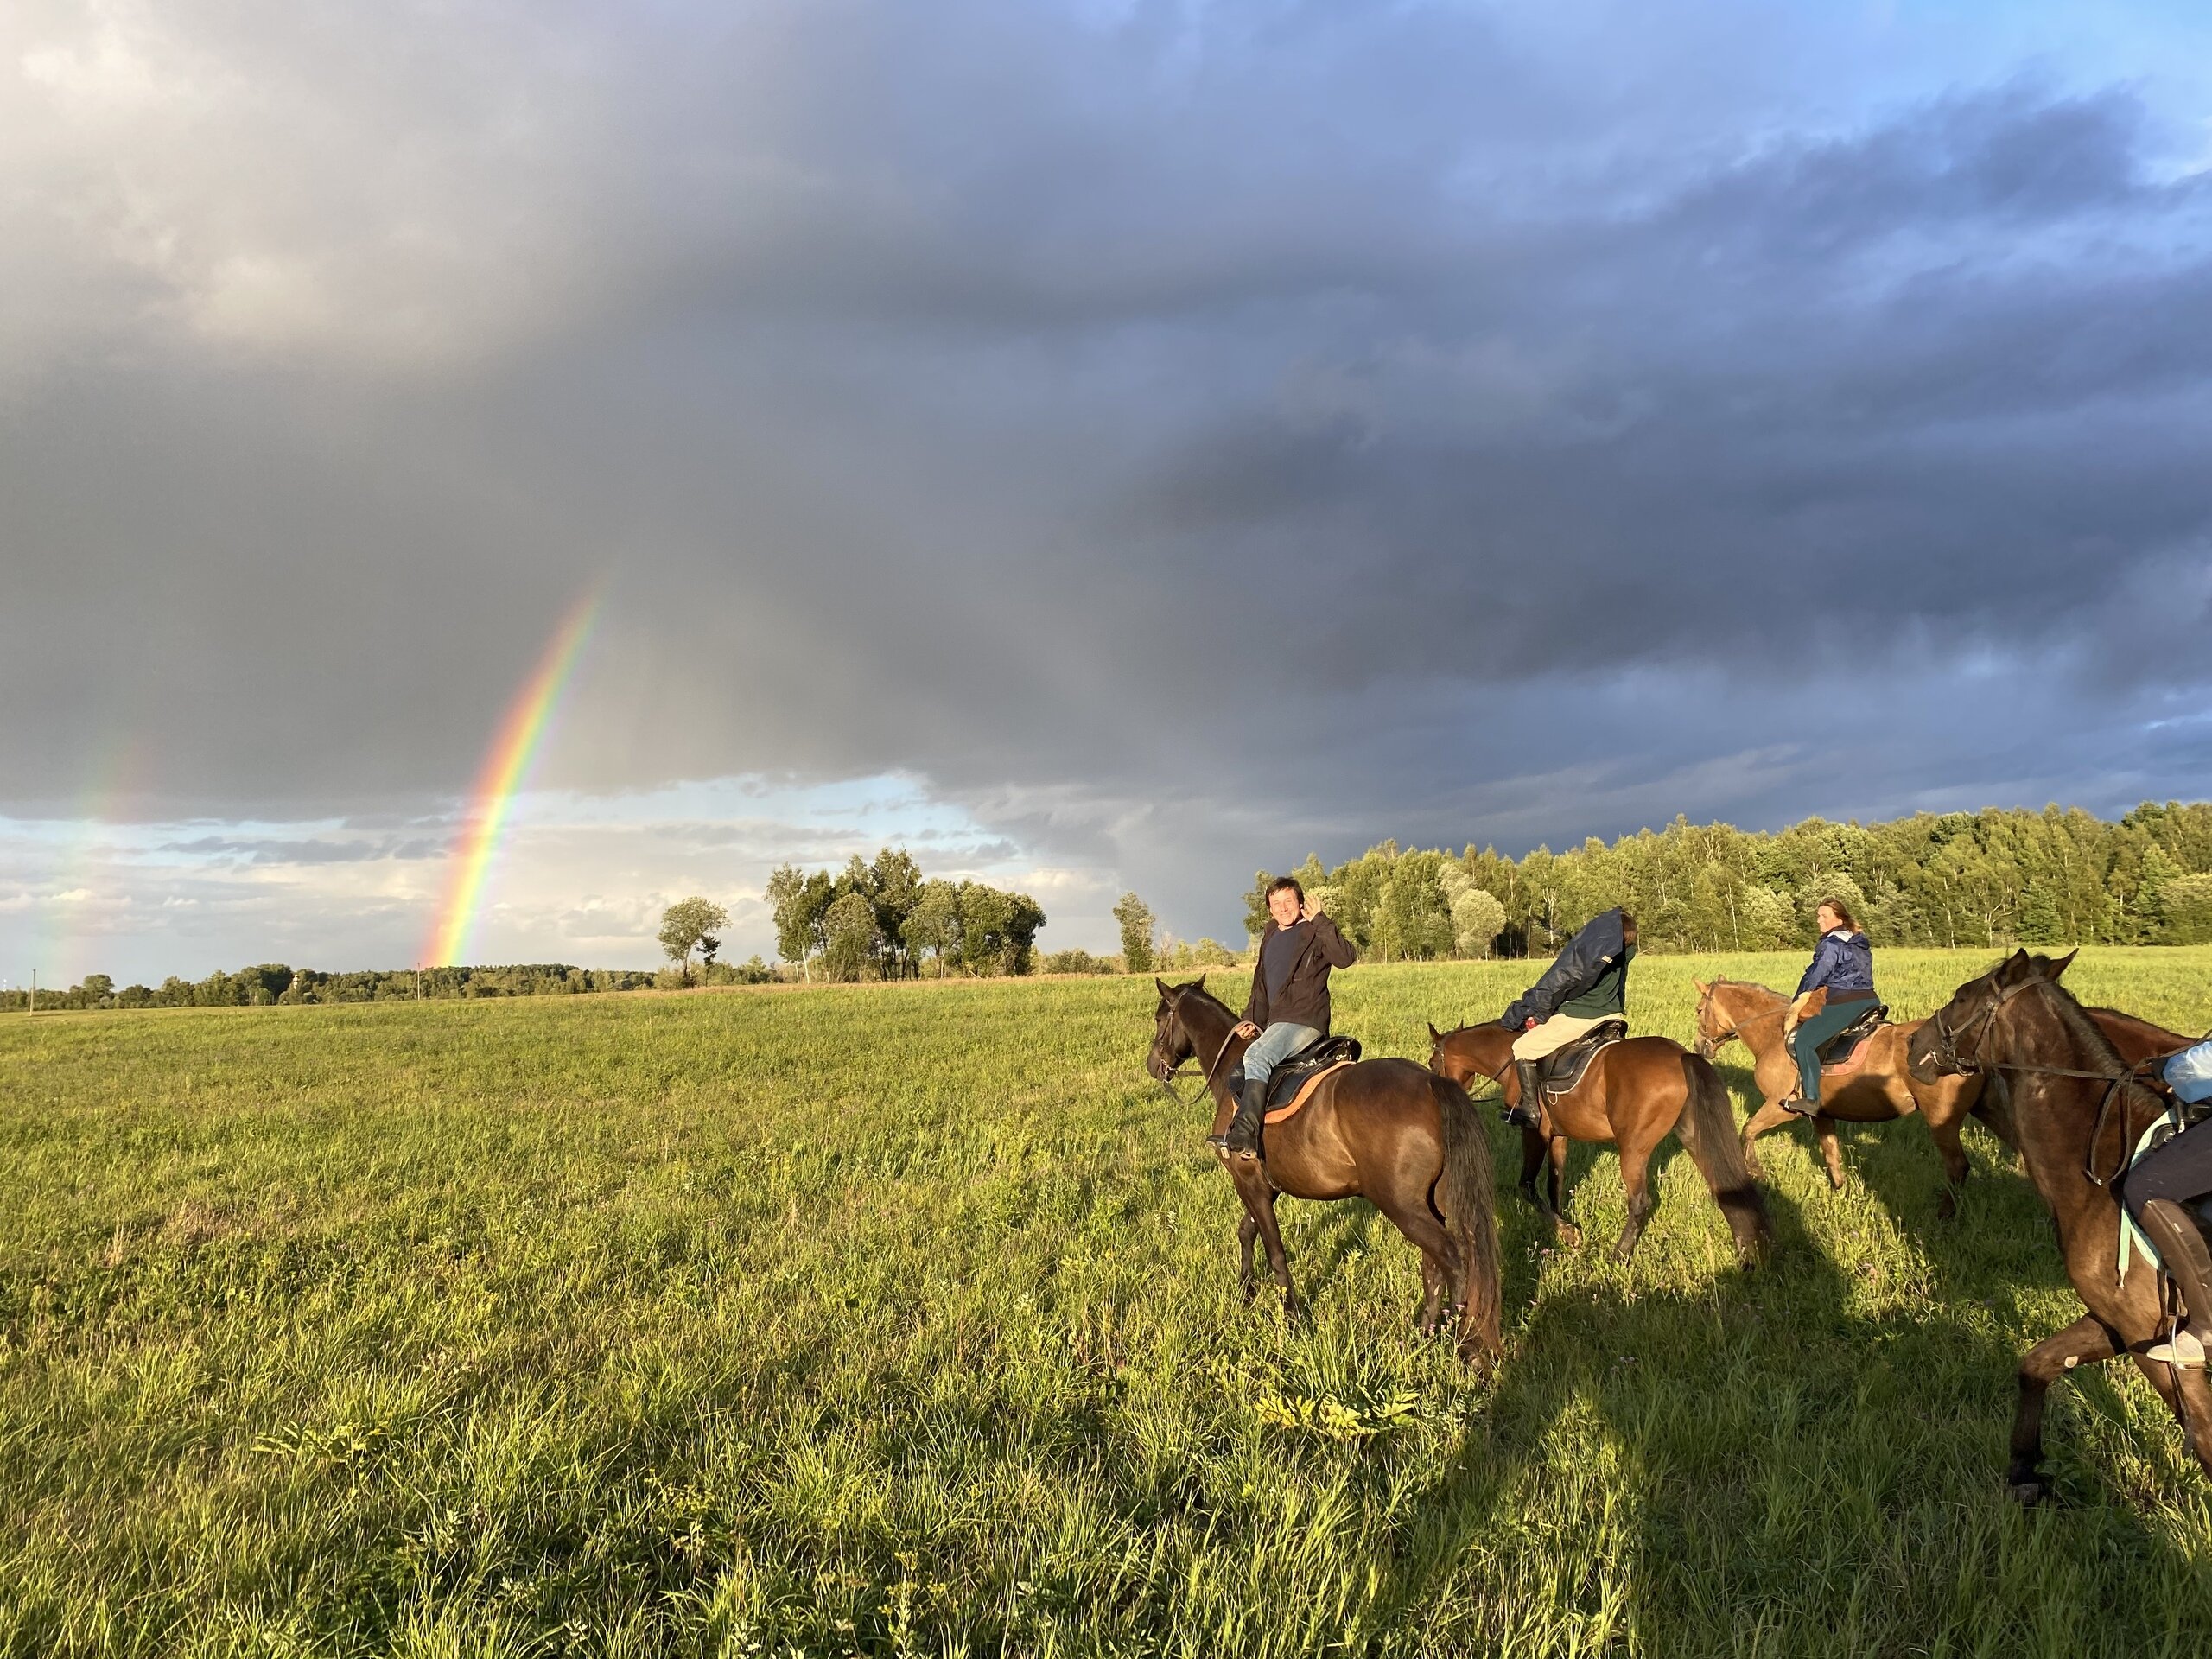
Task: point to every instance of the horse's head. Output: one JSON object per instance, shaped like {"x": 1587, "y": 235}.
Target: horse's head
{"x": 1714, "y": 1027}
{"x": 1172, "y": 1043}
{"x": 1457, "y": 1053}
{"x": 1949, "y": 1042}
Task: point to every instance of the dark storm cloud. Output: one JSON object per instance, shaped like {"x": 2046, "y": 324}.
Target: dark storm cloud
{"x": 1182, "y": 439}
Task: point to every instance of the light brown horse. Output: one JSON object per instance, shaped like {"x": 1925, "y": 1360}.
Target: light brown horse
{"x": 2076, "y": 1110}
{"x": 1632, "y": 1094}
{"x": 1877, "y": 1084}
{"x": 1384, "y": 1130}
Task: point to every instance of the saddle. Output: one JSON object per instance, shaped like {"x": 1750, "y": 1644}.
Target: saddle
{"x": 1838, "y": 1052}
{"x": 1302, "y": 1068}
{"x": 1559, "y": 1071}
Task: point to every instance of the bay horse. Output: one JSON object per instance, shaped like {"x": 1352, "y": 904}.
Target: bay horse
{"x": 1874, "y": 1087}
{"x": 1877, "y": 1084}
{"x": 1632, "y": 1093}
{"x": 2077, "y": 1109}
{"x": 1385, "y": 1130}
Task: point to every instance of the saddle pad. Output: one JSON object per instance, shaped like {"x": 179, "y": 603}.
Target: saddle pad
{"x": 1850, "y": 1064}
{"x": 1563, "y": 1069}
{"x": 1306, "y": 1093}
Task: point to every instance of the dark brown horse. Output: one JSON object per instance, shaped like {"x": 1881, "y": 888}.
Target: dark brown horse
{"x": 1384, "y": 1130}
{"x": 2075, "y": 1111}
{"x": 1634, "y": 1092}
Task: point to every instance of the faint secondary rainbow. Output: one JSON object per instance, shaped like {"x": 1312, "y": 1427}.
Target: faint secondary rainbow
{"x": 504, "y": 765}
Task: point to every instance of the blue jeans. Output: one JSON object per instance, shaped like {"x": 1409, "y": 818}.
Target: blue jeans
{"x": 1274, "y": 1045}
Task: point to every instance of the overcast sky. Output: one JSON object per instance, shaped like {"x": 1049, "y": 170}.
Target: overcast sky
{"x": 1100, "y": 446}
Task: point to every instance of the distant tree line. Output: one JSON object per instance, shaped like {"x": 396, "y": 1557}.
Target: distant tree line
{"x": 272, "y": 983}
{"x": 1976, "y": 880}
{"x": 884, "y": 920}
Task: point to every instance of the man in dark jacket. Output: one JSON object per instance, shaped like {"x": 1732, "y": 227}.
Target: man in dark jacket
{"x": 1288, "y": 1008}
{"x": 1584, "y": 986}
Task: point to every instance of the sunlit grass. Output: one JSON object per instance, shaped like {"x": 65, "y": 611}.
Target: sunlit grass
{"x": 902, "y": 1320}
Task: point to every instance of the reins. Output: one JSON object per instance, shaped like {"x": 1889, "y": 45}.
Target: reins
{"x": 1735, "y": 1031}
{"x": 1206, "y": 1083}
{"x": 1949, "y": 1059}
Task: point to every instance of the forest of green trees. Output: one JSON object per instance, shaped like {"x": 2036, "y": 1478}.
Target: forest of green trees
{"x": 882, "y": 920}
{"x": 1962, "y": 879}
{"x": 1955, "y": 879}
{"x": 271, "y": 983}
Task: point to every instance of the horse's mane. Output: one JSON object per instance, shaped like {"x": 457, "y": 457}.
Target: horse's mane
{"x": 1196, "y": 988}
{"x": 2078, "y": 1024}
{"x": 1746, "y": 985}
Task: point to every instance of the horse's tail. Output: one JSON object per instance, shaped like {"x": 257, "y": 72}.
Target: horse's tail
{"x": 1707, "y": 1129}
{"x": 1464, "y": 1204}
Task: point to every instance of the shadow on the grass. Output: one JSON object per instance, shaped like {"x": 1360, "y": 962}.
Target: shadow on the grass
{"x": 1790, "y": 1453}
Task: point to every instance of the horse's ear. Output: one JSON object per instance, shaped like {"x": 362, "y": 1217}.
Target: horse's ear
{"x": 1434, "y": 1035}
{"x": 1199, "y": 984}
{"x": 1703, "y": 989}
{"x": 1165, "y": 991}
{"x": 2055, "y": 967}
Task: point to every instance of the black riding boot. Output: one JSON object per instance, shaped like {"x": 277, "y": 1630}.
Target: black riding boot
{"x": 2182, "y": 1247}
{"x": 1251, "y": 1107}
{"x": 1529, "y": 1113}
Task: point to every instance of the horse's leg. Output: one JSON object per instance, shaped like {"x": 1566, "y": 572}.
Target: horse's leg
{"x": 1944, "y": 1131}
{"x": 2191, "y": 1402}
{"x": 1635, "y": 1180}
{"x": 2084, "y": 1342}
{"x": 1563, "y": 1221}
{"x": 1259, "y": 1197}
{"x": 1770, "y": 1113}
{"x": 1247, "y": 1230}
{"x": 1532, "y": 1160}
{"x": 1439, "y": 1253}
{"x": 1831, "y": 1148}
{"x": 1432, "y": 1278}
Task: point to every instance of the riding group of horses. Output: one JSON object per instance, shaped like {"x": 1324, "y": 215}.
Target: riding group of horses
{"x": 2061, "y": 1084}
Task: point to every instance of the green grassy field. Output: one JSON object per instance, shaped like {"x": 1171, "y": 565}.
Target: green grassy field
{"x": 902, "y": 1320}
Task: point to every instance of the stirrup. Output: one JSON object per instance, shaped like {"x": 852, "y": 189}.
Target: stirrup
{"x": 2185, "y": 1351}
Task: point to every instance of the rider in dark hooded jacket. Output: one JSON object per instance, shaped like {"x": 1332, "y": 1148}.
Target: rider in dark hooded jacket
{"x": 1584, "y": 986}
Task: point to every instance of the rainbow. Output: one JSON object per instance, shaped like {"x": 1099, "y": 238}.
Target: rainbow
{"x": 512, "y": 748}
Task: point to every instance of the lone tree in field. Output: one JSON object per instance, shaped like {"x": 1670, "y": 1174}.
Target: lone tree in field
{"x": 1135, "y": 917}
{"x": 691, "y": 924}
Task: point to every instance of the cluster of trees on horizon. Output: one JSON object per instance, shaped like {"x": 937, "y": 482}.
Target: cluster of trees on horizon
{"x": 884, "y": 920}
{"x": 1952, "y": 880}
{"x": 271, "y": 984}
{"x": 1973, "y": 879}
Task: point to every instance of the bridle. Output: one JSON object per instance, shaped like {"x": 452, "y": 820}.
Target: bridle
{"x": 1944, "y": 1054}
{"x": 1436, "y": 1047}
{"x": 1709, "y": 1047}
{"x": 1205, "y": 1082}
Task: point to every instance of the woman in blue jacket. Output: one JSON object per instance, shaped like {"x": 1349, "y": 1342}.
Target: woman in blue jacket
{"x": 1843, "y": 962}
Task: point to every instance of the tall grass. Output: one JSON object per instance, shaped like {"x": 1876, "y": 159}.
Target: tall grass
{"x": 901, "y": 1319}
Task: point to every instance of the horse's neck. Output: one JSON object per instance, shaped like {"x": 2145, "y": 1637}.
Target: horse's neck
{"x": 1211, "y": 1026}
{"x": 2055, "y": 1120}
{"x": 1755, "y": 1012}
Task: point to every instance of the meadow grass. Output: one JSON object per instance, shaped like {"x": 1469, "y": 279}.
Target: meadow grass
{"x": 902, "y": 1320}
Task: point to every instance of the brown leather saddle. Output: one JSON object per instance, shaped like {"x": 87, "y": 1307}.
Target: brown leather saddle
{"x": 1840, "y": 1051}
{"x": 1294, "y": 1073}
{"x": 1560, "y": 1071}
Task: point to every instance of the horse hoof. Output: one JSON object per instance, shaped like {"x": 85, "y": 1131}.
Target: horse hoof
{"x": 1571, "y": 1237}
{"x": 2030, "y": 1492}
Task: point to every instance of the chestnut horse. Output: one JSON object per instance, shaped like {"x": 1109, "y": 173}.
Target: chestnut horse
{"x": 1633, "y": 1092}
{"x": 2076, "y": 1110}
{"x": 1877, "y": 1083}
{"x": 1875, "y": 1087}
{"x": 1384, "y": 1130}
